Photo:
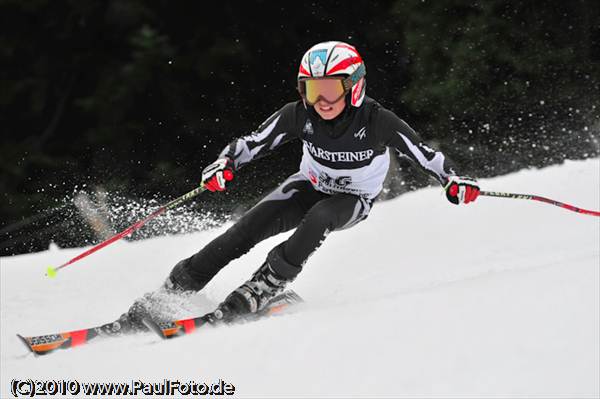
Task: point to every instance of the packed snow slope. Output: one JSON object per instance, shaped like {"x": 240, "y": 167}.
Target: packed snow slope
{"x": 423, "y": 299}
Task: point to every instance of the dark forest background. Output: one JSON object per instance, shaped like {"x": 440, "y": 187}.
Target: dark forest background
{"x": 127, "y": 101}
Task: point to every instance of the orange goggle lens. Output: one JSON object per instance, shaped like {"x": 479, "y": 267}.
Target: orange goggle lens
{"x": 330, "y": 90}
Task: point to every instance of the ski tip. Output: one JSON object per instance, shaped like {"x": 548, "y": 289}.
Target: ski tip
{"x": 26, "y": 343}
{"x": 51, "y": 272}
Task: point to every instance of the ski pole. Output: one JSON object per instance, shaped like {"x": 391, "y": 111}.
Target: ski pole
{"x": 51, "y": 271}
{"x": 541, "y": 199}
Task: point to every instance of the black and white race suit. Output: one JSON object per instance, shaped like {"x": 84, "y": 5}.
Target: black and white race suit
{"x": 344, "y": 164}
{"x": 349, "y": 155}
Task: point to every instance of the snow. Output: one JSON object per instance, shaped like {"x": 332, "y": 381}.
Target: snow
{"x": 423, "y": 299}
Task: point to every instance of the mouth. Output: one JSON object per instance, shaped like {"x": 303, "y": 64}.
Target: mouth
{"x": 325, "y": 108}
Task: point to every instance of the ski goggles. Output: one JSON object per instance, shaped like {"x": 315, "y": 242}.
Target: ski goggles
{"x": 328, "y": 89}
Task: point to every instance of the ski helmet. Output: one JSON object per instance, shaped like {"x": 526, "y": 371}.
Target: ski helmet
{"x": 330, "y": 59}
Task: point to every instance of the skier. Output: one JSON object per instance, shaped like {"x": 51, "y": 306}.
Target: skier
{"x": 346, "y": 139}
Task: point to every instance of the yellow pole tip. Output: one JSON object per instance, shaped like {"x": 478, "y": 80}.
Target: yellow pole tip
{"x": 51, "y": 272}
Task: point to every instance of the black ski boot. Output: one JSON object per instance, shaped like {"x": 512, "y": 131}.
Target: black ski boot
{"x": 268, "y": 281}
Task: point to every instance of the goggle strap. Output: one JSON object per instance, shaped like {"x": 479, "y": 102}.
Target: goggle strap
{"x": 355, "y": 77}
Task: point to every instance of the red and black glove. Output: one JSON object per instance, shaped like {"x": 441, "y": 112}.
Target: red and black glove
{"x": 216, "y": 175}
{"x": 461, "y": 190}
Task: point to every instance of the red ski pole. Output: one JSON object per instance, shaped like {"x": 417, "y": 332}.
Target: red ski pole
{"x": 541, "y": 199}
{"x": 51, "y": 271}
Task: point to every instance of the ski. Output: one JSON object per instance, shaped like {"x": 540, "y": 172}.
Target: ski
{"x": 44, "y": 344}
{"x": 177, "y": 328}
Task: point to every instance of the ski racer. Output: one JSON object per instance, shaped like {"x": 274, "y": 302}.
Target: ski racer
{"x": 346, "y": 138}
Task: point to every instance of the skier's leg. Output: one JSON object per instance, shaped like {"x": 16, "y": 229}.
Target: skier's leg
{"x": 280, "y": 211}
{"x": 340, "y": 211}
{"x": 285, "y": 261}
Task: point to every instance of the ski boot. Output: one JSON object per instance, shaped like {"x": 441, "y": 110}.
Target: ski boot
{"x": 162, "y": 304}
{"x": 252, "y": 296}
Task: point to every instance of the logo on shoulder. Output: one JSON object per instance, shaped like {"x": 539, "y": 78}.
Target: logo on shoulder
{"x": 361, "y": 134}
{"x": 308, "y": 128}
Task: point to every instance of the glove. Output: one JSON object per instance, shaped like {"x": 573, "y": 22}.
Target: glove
{"x": 461, "y": 190}
{"x": 217, "y": 174}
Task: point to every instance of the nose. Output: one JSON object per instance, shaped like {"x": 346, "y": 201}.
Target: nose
{"x": 322, "y": 103}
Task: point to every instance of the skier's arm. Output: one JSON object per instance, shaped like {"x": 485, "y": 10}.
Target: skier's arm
{"x": 396, "y": 133}
{"x": 273, "y": 132}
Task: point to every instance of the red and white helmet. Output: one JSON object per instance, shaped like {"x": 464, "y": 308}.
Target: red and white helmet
{"x": 329, "y": 59}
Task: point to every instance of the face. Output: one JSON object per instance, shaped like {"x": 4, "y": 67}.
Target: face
{"x": 330, "y": 111}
